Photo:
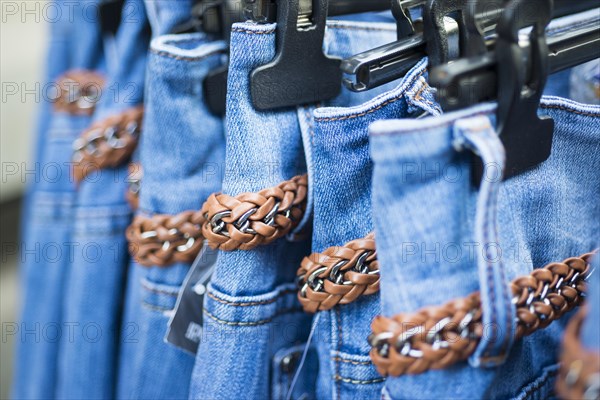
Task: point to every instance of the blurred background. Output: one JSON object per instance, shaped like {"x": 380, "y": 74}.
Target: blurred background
{"x": 22, "y": 53}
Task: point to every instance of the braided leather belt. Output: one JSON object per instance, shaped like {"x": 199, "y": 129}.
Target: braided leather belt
{"x": 253, "y": 219}
{"x": 80, "y": 90}
{"x": 226, "y": 222}
{"x": 439, "y": 336}
{"x": 108, "y": 143}
{"x": 579, "y": 373}
{"x": 339, "y": 275}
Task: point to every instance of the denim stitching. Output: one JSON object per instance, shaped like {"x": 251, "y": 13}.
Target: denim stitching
{"x": 260, "y": 322}
{"x": 490, "y": 214}
{"x": 339, "y": 378}
{"x": 249, "y": 32}
{"x": 155, "y": 308}
{"x": 163, "y": 53}
{"x": 371, "y": 110}
{"x": 548, "y": 373}
{"x": 505, "y": 292}
{"x": 250, "y": 303}
{"x": 345, "y": 360}
{"x": 571, "y": 110}
{"x": 146, "y": 285}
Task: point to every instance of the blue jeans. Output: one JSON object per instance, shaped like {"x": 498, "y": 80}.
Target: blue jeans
{"x": 181, "y": 152}
{"x": 590, "y": 335}
{"x": 342, "y": 199}
{"x": 253, "y": 323}
{"x": 164, "y": 15}
{"x": 93, "y": 296}
{"x": 439, "y": 238}
{"x": 47, "y": 248}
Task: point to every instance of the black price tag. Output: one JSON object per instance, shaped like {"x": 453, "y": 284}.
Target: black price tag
{"x": 185, "y": 325}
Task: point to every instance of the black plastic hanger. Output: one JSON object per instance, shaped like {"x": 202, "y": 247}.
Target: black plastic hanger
{"x": 110, "y": 12}
{"x": 300, "y": 73}
{"x": 527, "y": 138}
{"x": 264, "y": 11}
{"x": 370, "y": 69}
{"x": 468, "y": 81}
{"x": 387, "y": 63}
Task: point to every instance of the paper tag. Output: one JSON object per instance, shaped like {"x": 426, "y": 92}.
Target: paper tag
{"x": 185, "y": 325}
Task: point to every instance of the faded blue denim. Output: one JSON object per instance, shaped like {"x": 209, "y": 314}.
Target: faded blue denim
{"x": 47, "y": 249}
{"x": 181, "y": 152}
{"x": 590, "y": 331}
{"x": 251, "y": 313}
{"x": 342, "y": 212}
{"x": 164, "y": 15}
{"x": 439, "y": 237}
{"x": 93, "y": 297}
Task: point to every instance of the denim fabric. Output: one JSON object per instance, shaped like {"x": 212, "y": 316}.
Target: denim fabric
{"x": 585, "y": 83}
{"x": 181, "y": 152}
{"x": 438, "y": 236}
{"x": 164, "y": 15}
{"x": 94, "y": 291}
{"x": 47, "y": 248}
{"x": 341, "y": 185}
{"x": 251, "y": 311}
{"x": 590, "y": 331}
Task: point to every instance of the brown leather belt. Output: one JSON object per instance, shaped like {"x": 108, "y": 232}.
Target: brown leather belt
{"x": 438, "y": 336}
{"x": 579, "y": 373}
{"x": 80, "y": 90}
{"x": 339, "y": 275}
{"x": 134, "y": 185}
{"x": 226, "y": 222}
{"x": 107, "y": 143}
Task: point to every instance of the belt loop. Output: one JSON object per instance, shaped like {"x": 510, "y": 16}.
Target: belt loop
{"x": 478, "y": 135}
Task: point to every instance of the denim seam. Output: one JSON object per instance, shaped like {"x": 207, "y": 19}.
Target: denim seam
{"x": 372, "y": 110}
{"x": 339, "y": 378}
{"x": 155, "y": 308}
{"x": 490, "y": 214}
{"x": 344, "y": 360}
{"x": 146, "y": 286}
{"x": 249, "y": 32}
{"x": 506, "y": 296}
{"x": 417, "y": 98}
{"x": 163, "y": 53}
{"x": 256, "y": 323}
{"x": 548, "y": 373}
{"x": 552, "y": 106}
{"x": 251, "y": 303}
{"x": 441, "y": 125}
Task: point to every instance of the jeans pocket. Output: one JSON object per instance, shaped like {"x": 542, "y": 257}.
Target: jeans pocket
{"x": 158, "y": 297}
{"x": 269, "y": 321}
{"x": 150, "y": 367}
